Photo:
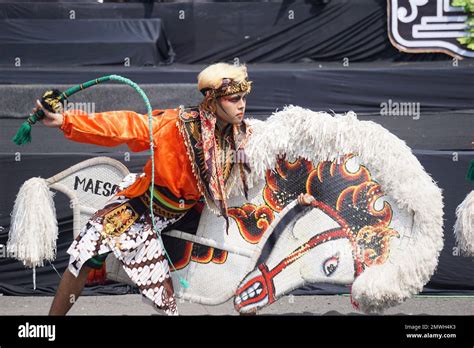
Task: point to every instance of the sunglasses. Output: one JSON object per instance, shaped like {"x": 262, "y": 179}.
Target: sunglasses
{"x": 235, "y": 99}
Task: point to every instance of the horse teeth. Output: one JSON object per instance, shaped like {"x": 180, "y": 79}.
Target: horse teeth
{"x": 252, "y": 294}
{"x": 238, "y": 300}
{"x": 245, "y": 296}
{"x": 259, "y": 290}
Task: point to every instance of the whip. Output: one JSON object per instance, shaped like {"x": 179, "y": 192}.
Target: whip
{"x": 52, "y": 101}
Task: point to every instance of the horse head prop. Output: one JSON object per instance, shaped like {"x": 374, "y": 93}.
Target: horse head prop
{"x": 375, "y": 223}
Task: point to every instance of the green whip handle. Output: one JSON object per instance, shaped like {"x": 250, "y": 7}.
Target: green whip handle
{"x": 23, "y": 135}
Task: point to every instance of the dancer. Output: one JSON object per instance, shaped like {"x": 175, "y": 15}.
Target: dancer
{"x": 199, "y": 155}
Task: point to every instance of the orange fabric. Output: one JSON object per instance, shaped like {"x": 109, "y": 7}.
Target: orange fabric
{"x": 138, "y": 188}
{"x": 172, "y": 166}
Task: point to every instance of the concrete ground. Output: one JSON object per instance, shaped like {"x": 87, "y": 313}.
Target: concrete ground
{"x": 288, "y": 305}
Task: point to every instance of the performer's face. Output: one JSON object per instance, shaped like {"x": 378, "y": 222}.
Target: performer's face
{"x": 231, "y": 108}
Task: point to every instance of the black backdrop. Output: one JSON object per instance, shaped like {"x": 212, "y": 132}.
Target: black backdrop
{"x": 454, "y": 273}
{"x": 84, "y": 42}
{"x": 361, "y": 87}
{"x": 253, "y": 32}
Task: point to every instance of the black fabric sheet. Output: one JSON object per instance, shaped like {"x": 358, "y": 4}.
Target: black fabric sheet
{"x": 253, "y": 32}
{"x": 442, "y": 92}
{"x": 453, "y": 275}
{"x": 436, "y": 86}
{"x": 84, "y": 42}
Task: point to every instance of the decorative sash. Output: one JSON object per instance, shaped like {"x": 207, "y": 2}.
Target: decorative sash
{"x": 212, "y": 157}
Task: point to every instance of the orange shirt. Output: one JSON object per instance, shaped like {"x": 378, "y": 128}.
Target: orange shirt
{"x": 172, "y": 165}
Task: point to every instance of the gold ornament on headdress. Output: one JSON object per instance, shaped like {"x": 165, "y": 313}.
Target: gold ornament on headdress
{"x": 229, "y": 87}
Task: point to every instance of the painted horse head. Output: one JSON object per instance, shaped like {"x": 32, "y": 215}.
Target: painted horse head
{"x": 346, "y": 229}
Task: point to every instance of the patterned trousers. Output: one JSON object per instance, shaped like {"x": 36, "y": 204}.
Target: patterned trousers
{"x": 138, "y": 249}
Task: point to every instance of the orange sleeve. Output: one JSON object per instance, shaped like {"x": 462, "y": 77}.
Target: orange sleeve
{"x": 111, "y": 128}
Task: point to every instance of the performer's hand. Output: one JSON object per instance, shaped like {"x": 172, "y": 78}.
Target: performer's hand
{"x": 51, "y": 119}
{"x": 305, "y": 199}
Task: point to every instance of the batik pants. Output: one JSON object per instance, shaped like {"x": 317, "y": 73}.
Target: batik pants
{"x": 138, "y": 248}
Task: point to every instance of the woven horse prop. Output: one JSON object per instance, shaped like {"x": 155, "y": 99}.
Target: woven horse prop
{"x": 375, "y": 223}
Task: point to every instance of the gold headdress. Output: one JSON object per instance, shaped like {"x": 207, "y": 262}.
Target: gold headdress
{"x": 228, "y": 87}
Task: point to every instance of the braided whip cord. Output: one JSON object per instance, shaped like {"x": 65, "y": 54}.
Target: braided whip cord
{"x": 137, "y": 88}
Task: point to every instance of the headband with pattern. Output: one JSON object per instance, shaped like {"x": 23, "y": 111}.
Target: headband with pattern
{"x": 228, "y": 87}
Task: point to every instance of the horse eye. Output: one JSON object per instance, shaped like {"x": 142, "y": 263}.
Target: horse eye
{"x": 330, "y": 265}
